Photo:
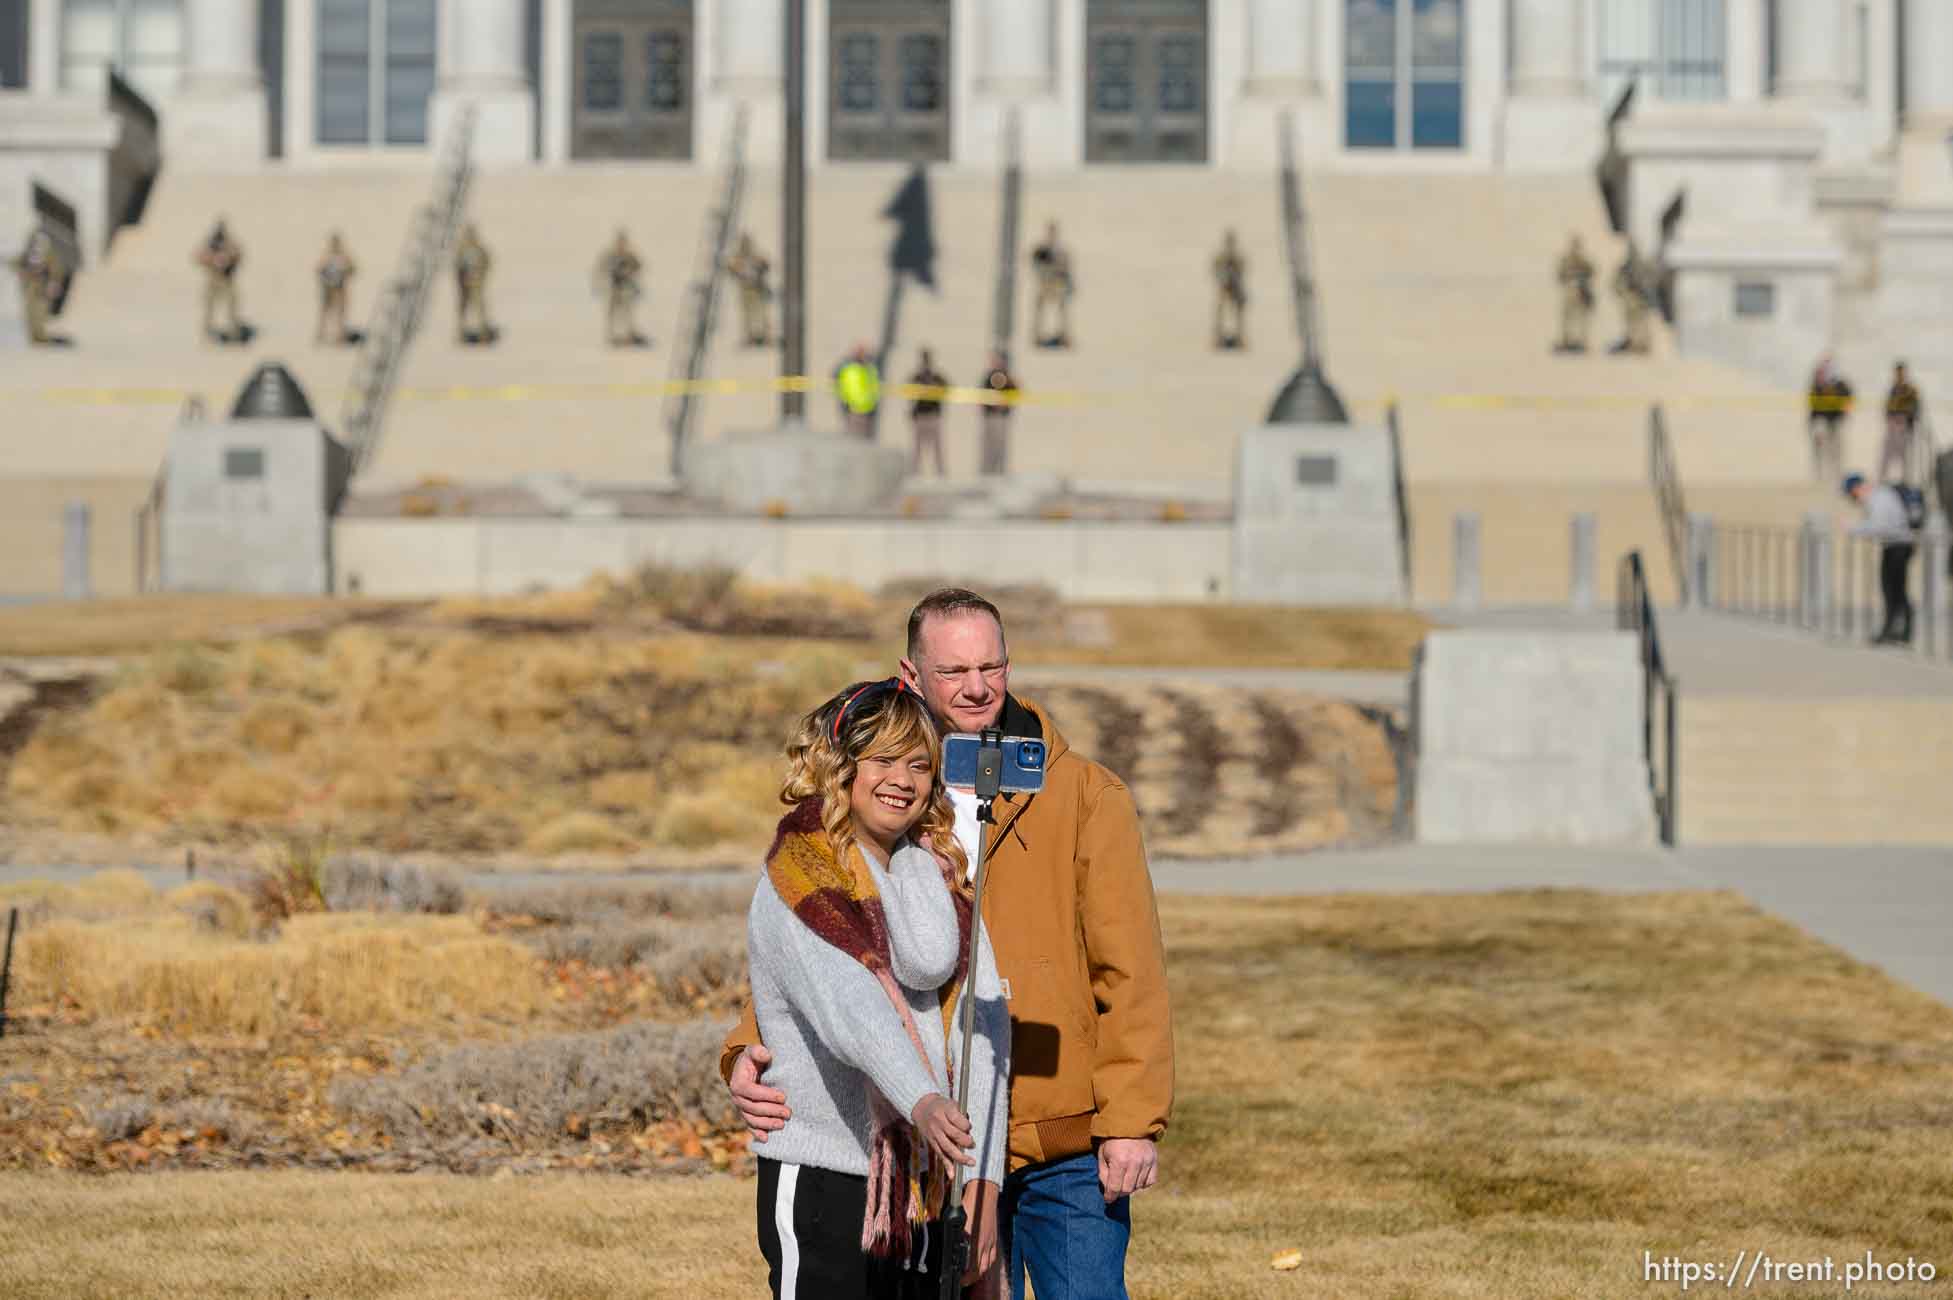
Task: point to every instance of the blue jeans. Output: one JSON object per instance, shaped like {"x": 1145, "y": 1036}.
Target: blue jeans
{"x": 1056, "y": 1224}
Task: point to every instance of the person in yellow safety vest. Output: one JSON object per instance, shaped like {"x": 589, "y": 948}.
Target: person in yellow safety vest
{"x": 859, "y": 385}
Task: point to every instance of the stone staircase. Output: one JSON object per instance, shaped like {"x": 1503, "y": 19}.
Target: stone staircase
{"x": 1790, "y": 739}
{"x": 1437, "y": 293}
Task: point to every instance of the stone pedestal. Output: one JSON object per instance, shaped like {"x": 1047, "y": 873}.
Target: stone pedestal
{"x": 1315, "y": 517}
{"x": 1760, "y": 297}
{"x": 1756, "y": 265}
{"x": 1530, "y": 737}
{"x": 793, "y": 470}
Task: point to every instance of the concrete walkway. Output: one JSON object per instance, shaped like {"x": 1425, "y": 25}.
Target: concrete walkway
{"x": 1730, "y": 654}
{"x": 1890, "y": 907}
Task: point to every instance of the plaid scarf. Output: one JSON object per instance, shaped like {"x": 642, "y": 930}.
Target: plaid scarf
{"x": 838, "y": 901}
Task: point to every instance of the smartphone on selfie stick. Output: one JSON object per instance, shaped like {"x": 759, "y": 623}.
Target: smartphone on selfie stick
{"x": 991, "y": 764}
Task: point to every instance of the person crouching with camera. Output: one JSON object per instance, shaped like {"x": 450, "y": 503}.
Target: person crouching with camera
{"x": 858, "y": 935}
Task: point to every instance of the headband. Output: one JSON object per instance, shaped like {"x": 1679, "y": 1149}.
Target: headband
{"x": 868, "y": 693}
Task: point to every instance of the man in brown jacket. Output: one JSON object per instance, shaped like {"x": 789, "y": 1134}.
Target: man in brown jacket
{"x": 1069, "y": 905}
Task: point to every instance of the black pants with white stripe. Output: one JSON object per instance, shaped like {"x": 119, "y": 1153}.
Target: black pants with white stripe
{"x": 810, "y": 1233}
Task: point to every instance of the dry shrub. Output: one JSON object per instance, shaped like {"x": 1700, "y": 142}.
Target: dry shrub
{"x": 625, "y": 791}
{"x": 697, "y": 821}
{"x": 541, "y": 1088}
{"x": 352, "y": 973}
{"x": 681, "y": 594}
{"x": 275, "y": 726}
{"x": 251, "y": 795}
{"x": 119, "y": 1117}
{"x": 714, "y": 599}
{"x": 589, "y": 905}
{"x": 186, "y": 670}
{"x": 291, "y": 881}
{"x": 687, "y": 958}
{"x": 366, "y": 885}
{"x": 578, "y": 832}
{"x": 215, "y": 908}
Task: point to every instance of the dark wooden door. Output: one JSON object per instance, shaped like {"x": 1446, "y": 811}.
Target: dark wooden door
{"x": 888, "y": 80}
{"x": 1146, "y": 81}
{"x": 634, "y": 79}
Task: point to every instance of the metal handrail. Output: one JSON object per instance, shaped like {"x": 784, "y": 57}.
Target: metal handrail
{"x": 1393, "y": 420}
{"x": 1003, "y": 307}
{"x": 1634, "y": 611}
{"x": 701, "y": 310}
{"x": 397, "y": 314}
{"x": 1666, "y": 479}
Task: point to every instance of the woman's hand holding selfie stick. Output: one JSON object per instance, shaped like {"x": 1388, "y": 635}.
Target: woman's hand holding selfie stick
{"x": 945, "y": 1129}
{"x": 961, "y": 1263}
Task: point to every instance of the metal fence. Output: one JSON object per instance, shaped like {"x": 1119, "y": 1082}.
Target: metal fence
{"x": 1822, "y": 580}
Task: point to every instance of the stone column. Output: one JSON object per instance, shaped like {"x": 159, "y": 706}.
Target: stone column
{"x": 1016, "y": 48}
{"x": 1915, "y": 255}
{"x": 220, "y": 45}
{"x": 217, "y": 120}
{"x": 44, "y": 46}
{"x": 1811, "y": 51}
{"x": 1743, "y": 51}
{"x": 1548, "y": 48}
{"x": 1282, "y": 47}
{"x": 482, "y": 64}
{"x": 1552, "y": 122}
{"x": 1925, "y": 146}
{"x": 747, "y": 52}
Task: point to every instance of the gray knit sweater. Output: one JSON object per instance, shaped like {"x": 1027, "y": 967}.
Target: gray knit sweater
{"x": 834, "y": 1034}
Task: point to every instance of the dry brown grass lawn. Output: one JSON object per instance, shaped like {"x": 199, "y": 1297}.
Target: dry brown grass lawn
{"x": 1226, "y": 636}
{"x": 1503, "y": 1097}
{"x": 136, "y": 624}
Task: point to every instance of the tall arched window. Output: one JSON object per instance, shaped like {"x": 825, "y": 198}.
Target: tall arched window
{"x": 141, "y": 39}
{"x": 1675, "y": 47}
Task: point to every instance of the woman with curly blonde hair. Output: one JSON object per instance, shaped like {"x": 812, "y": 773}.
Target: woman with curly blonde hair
{"x": 859, "y": 933}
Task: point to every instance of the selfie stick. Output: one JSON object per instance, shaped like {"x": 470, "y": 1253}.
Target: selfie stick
{"x": 956, "y": 1244}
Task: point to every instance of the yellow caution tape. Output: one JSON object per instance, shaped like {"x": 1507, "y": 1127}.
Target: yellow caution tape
{"x": 156, "y": 396}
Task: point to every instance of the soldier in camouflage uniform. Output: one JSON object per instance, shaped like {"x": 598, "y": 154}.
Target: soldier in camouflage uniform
{"x": 749, "y": 270}
{"x": 336, "y": 270}
{"x": 471, "y": 267}
{"x": 620, "y": 268}
{"x": 1052, "y": 265}
{"x": 1634, "y": 287}
{"x": 40, "y": 271}
{"x": 1230, "y": 296}
{"x": 1575, "y": 275}
{"x": 220, "y": 256}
